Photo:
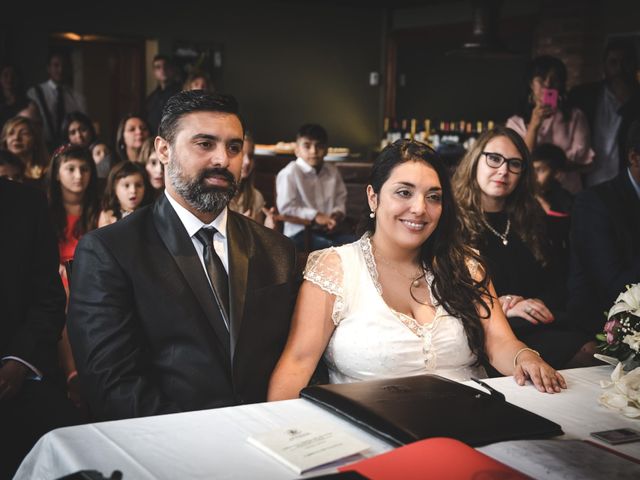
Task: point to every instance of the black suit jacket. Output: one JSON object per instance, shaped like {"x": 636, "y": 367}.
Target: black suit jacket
{"x": 605, "y": 249}
{"x": 145, "y": 331}
{"x": 32, "y": 298}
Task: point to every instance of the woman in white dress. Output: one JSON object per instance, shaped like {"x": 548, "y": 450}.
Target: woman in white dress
{"x": 408, "y": 298}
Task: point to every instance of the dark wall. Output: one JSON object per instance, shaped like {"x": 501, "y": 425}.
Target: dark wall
{"x": 287, "y": 63}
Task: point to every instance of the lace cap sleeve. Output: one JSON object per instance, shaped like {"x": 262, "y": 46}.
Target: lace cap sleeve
{"x": 324, "y": 269}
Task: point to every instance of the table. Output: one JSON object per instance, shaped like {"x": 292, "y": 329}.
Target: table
{"x": 212, "y": 443}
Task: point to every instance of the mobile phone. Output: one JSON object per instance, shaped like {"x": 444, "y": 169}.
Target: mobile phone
{"x": 550, "y": 97}
{"x": 619, "y": 435}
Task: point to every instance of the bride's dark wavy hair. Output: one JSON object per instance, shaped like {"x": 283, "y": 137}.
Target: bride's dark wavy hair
{"x": 444, "y": 251}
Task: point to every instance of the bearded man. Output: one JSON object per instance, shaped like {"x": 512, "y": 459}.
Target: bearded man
{"x": 183, "y": 305}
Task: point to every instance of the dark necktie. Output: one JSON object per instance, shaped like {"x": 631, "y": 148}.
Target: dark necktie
{"x": 215, "y": 270}
{"x": 60, "y": 112}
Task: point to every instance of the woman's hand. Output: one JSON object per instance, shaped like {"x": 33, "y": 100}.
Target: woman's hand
{"x": 540, "y": 373}
{"x": 531, "y": 309}
{"x": 508, "y": 301}
{"x": 539, "y": 113}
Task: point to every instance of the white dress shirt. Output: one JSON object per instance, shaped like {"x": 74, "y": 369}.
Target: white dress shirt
{"x": 73, "y": 102}
{"x": 605, "y": 139}
{"x": 193, "y": 224}
{"x": 303, "y": 192}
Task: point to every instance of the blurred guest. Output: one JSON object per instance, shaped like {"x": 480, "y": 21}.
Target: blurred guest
{"x": 153, "y": 166}
{"x": 163, "y": 72}
{"x": 546, "y": 117}
{"x": 548, "y": 161}
{"x": 78, "y": 129}
{"x": 102, "y": 157}
{"x": 494, "y": 185}
{"x": 55, "y": 98}
{"x": 605, "y": 241}
{"x": 610, "y": 106}
{"x": 198, "y": 80}
{"x": 13, "y": 98}
{"x": 248, "y": 201}
{"x": 23, "y": 139}
{"x": 310, "y": 189}
{"x": 73, "y": 206}
{"x": 73, "y": 197}
{"x": 126, "y": 191}
{"x": 11, "y": 167}
{"x": 132, "y": 131}
{"x": 32, "y": 399}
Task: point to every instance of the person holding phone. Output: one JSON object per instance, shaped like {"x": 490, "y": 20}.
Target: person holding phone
{"x": 545, "y": 117}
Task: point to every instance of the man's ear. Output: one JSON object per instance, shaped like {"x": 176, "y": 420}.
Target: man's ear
{"x": 372, "y": 198}
{"x": 162, "y": 150}
{"x": 634, "y": 158}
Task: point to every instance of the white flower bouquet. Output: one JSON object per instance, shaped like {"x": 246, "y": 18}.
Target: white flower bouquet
{"x": 621, "y": 335}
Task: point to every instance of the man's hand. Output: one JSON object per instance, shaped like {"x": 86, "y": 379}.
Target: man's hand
{"x": 12, "y": 375}
{"x": 324, "y": 220}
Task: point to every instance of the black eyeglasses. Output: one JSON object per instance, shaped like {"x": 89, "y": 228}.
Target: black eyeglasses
{"x": 495, "y": 160}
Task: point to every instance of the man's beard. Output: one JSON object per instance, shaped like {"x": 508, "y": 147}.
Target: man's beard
{"x": 200, "y": 196}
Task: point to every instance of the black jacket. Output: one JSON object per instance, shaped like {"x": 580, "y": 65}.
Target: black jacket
{"x": 605, "y": 249}
{"x": 145, "y": 331}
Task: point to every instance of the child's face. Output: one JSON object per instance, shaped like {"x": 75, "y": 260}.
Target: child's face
{"x": 543, "y": 172}
{"x": 130, "y": 191}
{"x": 155, "y": 169}
{"x": 79, "y": 134}
{"x": 311, "y": 151}
{"x": 74, "y": 176}
{"x": 99, "y": 152}
{"x": 247, "y": 159}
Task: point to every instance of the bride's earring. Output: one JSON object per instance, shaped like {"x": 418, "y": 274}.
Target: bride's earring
{"x": 372, "y": 214}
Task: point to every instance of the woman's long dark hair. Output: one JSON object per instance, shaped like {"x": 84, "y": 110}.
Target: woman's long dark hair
{"x": 444, "y": 252}
{"x": 527, "y": 217}
{"x": 540, "y": 67}
{"x": 90, "y": 210}
{"x": 124, "y": 169}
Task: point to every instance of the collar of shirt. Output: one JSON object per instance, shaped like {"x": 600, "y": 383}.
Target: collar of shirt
{"x": 634, "y": 182}
{"x": 53, "y": 86}
{"x": 192, "y": 223}
{"x": 306, "y": 168}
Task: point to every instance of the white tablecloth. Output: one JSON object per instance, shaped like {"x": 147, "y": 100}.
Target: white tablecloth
{"x": 212, "y": 444}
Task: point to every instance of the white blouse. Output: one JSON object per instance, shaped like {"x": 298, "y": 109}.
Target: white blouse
{"x": 373, "y": 341}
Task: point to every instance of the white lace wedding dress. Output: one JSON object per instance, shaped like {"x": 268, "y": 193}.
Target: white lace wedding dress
{"x": 373, "y": 341}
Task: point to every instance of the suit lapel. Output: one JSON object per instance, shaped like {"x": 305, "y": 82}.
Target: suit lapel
{"x": 180, "y": 246}
{"x": 237, "y": 243}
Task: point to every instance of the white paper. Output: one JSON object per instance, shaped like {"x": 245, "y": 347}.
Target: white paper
{"x": 306, "y": 446}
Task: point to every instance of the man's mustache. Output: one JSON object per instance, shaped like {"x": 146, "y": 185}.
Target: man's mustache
{"x": 218, "y": 172}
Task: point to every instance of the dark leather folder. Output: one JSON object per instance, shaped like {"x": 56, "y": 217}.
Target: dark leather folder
{"x": 404, "y": 410}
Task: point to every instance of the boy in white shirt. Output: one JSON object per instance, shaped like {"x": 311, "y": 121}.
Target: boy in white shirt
{"x": 310, "y": 189}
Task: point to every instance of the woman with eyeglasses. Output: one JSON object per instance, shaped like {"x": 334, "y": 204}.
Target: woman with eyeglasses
{"x": 494, "y": 185}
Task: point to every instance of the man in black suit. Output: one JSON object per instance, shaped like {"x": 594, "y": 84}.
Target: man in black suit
{"x": 155, "y": 327}
{"x": 611, "y": 105}
{"x": 605, "y": 242}
{"x": 32, "y": 301}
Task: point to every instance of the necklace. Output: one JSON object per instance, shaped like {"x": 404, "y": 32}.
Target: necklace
{"x": 503, "y": 236}
{"x": 415, "y": 279}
